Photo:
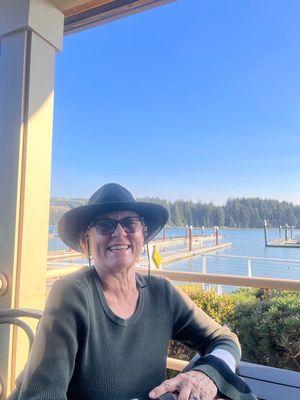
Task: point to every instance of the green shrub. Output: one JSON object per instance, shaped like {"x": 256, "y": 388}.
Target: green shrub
{"x": 269, "y": 329}
{"x": 266, "y": 322}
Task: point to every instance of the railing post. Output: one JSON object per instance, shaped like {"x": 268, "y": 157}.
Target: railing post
{"x": 203, "y": 270}
{"x": 204, "y": 264}
{"x": 202, "y": 227}
{"x": 286, "y": 232}
{"x": 249, "y": 268}
{"x": 280, "y": 231}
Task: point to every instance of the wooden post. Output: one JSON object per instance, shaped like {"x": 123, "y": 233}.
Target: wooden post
{"x": 190, "y": 238}
{"x": 280, "y": 231}
{"x": 202, "y": 230}
{"x": 265, "y": 231}
{"x": 217, "y": 235}
{"x": 291, "y": 229}
{"x": 286, "y": 232}
{"x": 164, "y": 232}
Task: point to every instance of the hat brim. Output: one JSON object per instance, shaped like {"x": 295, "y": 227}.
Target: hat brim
{"x": 76, "y": 220}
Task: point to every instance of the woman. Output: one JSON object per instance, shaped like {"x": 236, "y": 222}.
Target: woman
{"x": 105, "y": 330}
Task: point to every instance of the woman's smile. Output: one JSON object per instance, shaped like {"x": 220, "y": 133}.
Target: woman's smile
{"x": 119, "y": 250}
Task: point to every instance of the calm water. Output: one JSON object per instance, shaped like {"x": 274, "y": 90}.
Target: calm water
{"x": 245, "y": 243}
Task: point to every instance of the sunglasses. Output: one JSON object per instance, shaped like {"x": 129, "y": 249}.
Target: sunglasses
{"x": 108, "y": 226}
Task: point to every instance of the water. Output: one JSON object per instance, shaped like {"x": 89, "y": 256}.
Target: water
{"x": 245, "y": 243}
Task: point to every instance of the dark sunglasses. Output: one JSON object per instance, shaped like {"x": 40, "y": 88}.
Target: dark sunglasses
{"x": 106, "y": 226}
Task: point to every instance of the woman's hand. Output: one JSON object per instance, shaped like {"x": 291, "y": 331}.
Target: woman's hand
{"x": 192, "y": 385}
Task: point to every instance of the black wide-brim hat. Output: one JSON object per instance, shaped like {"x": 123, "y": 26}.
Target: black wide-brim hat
{"x": 110, "y": 197}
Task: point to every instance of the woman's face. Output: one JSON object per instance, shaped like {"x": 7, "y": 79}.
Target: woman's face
{"x": 119, "y": 250}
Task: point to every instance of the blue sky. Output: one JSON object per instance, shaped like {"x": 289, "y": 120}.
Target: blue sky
{"x": 196, "y": 99}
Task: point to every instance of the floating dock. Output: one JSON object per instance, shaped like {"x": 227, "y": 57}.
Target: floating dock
{"x": 291, "y": 243}
{"x": 171, "y": 249}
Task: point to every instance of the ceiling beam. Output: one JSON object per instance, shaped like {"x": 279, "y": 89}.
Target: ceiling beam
{"x": 96, "y": 12}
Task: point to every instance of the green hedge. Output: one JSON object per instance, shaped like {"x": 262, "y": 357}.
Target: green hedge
{"x": 266, "y": 322}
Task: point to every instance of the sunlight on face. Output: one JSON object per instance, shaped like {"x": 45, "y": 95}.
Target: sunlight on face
{"x": 120, "y": 250}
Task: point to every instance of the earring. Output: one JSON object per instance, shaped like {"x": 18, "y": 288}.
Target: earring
{"x": 88, "y": 255}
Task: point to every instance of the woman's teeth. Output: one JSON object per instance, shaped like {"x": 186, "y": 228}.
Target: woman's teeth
{"x": 119, "y": 247}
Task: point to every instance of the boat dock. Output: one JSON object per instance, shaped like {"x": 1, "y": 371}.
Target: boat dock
{"x": 171, "y": 249}
{"x": 287, "y": 241}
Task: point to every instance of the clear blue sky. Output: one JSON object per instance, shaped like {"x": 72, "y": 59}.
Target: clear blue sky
{"x": 196, "y": 100}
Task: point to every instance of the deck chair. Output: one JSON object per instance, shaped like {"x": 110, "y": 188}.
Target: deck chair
{"x": 12, "y": 316}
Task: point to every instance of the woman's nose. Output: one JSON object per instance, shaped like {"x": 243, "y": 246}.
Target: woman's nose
{"x": 119, "y": 230}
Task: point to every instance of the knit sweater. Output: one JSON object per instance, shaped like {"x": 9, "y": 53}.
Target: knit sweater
{"x": 82, "y": 350}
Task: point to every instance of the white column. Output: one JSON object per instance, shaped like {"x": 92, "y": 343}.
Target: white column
{"x": 31, "y": 31}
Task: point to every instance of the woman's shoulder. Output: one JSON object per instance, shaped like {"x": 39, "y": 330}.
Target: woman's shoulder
{"x": 78, "y": 281}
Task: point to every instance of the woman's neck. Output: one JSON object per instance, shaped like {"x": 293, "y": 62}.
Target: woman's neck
{"x": 120, "y": 285}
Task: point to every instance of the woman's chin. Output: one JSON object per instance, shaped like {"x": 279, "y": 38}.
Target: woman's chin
{"x": 121, "y": 265}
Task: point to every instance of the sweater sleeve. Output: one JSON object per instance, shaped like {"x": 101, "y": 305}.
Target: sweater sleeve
{"x": 195, "y": 329}
{"x": 62, "y": 330}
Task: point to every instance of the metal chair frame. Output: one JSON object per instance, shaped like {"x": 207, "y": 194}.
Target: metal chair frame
{"x": 12, "y": 316}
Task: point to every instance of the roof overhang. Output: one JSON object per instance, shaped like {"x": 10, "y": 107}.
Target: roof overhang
{"x": 83, "y": 14}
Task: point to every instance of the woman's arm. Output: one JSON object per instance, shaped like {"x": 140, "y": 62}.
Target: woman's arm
{"x": 61, "y": 332}
{"x": 195, "y": 329}
{"x": 219, "y": 348}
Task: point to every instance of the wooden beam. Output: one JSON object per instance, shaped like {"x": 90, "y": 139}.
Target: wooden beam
{"x": 105, "y": 12}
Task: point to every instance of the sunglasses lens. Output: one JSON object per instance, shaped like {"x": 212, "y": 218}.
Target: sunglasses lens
{"x": 108, "y": 226}
{"x": 105, "y": 226}
{"x": 131, "y": 224}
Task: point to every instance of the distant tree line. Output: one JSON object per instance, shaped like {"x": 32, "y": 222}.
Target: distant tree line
{"x": 237, "y": 212}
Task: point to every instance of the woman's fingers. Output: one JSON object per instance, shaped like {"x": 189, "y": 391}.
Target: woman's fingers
{"x": 170, "y": 385}
{"x": 192, "y": 385}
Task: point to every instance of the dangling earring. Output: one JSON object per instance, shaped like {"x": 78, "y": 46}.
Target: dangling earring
{"x": 148, "y": 255}
{"x": 88, "y": 255}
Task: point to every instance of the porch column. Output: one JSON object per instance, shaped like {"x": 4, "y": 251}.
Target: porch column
{"x": 31, "y": 31}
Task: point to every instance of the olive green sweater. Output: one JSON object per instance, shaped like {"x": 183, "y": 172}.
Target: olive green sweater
{"x": 83, "y": 351}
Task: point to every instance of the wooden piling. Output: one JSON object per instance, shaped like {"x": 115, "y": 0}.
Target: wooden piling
{"x": 190, "y": 238}
{"x": 265, "y": 231}
{"x": 164, "y": 232}
{"x": 217, "y": 235}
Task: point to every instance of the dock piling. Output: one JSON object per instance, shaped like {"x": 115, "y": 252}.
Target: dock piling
{"x": 190, "y": 238}
{"x": 217, "y": 235}
{"x": 266, "y": 232}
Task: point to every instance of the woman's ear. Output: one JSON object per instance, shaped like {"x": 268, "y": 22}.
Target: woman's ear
{"x": 83, "y": 243}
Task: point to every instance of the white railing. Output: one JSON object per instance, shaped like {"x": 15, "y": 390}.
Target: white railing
{"x": 247, "y": 266}
{"x": 196, "y": 277}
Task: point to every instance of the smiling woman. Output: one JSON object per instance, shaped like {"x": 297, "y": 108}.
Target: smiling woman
{"x": 105, "y": 330}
